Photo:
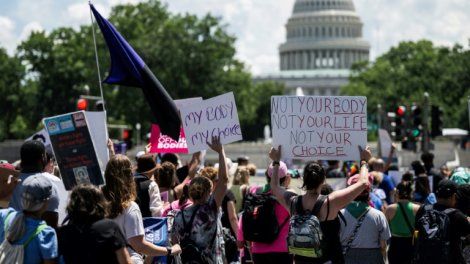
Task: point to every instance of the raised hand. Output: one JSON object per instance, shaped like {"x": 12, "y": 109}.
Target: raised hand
{"x": 148, "y": 147}
{"x": 215, "y": 144}
{"x": 275, "y": 154}
{"x": 366, "y": 154}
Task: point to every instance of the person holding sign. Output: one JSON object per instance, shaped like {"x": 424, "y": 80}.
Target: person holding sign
{"x": 326, "y": 207}
{"x": 197, "y": 227}
{"x": 120, "y": 191}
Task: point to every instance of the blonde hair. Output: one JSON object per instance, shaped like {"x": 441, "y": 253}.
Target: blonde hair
{"x": 242, "y": 176}
{"x": 120, "y": 188}
{"x": 210, "y": 173}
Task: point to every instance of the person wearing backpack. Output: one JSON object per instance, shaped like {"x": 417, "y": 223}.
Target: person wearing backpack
{"x": 401, "y": 217}
{"x": 440, "y": 228}
{"x": 317, "y": 210}
{"x": 197, "y": 227}
{"x": 25, "y": 237}
{"x": 265, "y": 222}
{"x": 146, "y": 187}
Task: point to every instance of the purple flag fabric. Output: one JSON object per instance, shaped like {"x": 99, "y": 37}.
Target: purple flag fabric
{"x": 128, "y": 69}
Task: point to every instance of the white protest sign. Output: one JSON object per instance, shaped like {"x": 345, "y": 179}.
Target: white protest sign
{"x": 43, "y": 137}
{"x": 216, "y": 116}
{"x": 185, "y": 102}
{"x": 385, "y": 142}
{"x": 319, "y": 127}
{"x": 99, "y": 135}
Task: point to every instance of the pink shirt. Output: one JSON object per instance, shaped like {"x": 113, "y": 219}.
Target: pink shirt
{"x": 175, "y": 205}
{"x": 278, "y": 245}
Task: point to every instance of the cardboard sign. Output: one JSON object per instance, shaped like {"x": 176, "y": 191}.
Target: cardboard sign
{"x": 165, "y": 144}
{"x": 42, "y": 136}
{"x": 319, "y": 127}
{"x": 216, "y": 116}
{"x": 74, "y": 149}
{"x": 385, "y": 143}
{"x": 99, "y": 135}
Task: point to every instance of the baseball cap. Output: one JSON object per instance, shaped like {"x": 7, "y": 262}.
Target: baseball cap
{"x": 37, "y": 188}
{"x": 446, "y": 189}
{"x": 282, "y": 170}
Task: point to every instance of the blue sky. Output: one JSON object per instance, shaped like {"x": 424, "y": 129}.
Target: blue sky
{"x": 258, "y": 24}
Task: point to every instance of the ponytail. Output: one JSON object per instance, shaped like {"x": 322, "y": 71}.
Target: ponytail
{"x": 17, "y": 229}
{"x": 184, "y": 196}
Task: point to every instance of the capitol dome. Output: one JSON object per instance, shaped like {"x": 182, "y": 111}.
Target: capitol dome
{"x": 323, "y": 34}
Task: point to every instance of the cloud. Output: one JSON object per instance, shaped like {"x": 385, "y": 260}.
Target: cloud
{"x": 30, "y": 27}
{"x": 259, "y": 25}
{"x": 7, "y": 36}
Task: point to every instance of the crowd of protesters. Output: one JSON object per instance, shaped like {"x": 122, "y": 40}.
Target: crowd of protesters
{"x": 215, "y": 215}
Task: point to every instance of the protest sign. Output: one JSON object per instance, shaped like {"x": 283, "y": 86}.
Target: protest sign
{"x": 319, "y": 127}
{"x": 74, "y": 149}
{"x": 216, "y": 116}
{"x": 385, "y": 143}
{"x": 164, "y": 144}
{"x": 99, "y": 135}
{"x": 42, "y": 136}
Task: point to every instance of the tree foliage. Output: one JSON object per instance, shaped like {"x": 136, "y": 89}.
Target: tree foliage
{"x": 192, "y": 57}
{"x": 403, "y": 74}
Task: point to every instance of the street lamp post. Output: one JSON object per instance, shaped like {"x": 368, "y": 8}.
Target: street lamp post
{"x": 425, "y": 141}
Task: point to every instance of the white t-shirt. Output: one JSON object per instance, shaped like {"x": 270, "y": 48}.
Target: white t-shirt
{"x": 62, "y": 194}
{"x": 131, "y": 224}
{"x": 53, "y": 204}
{"x": 156, "y": 203}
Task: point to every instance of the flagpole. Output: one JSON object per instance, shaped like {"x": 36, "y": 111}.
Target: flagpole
{"x": 96, "y": 58}
{"x": 99, "y": 81}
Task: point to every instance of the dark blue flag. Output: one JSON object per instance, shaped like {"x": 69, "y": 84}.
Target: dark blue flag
{"x": 128, "y": 69}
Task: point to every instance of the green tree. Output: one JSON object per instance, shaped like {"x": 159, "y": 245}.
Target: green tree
{"x": 192, "y": 57}
{"x": 11, "y": 74}
{"x": 403, "y": 74}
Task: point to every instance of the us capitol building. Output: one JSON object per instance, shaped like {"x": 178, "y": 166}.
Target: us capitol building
{"x": 324, "y": 38}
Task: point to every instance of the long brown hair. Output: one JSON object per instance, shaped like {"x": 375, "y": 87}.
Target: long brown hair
{"x": 120, "y": 186}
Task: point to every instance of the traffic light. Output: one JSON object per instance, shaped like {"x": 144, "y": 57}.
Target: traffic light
{"x": 82, "y": 104}
{"x": 127, "y": 137}
{"x": 436, "y": 121}
{"x": 417, "y": 121}
{"x": 400, "y": 124}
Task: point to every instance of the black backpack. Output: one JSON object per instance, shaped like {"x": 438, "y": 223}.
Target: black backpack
{"x": 433, "y": 240}
{"x": 190, "y": 252}
{"x": 259, "y": 218}
{"x": 142, "y": 184}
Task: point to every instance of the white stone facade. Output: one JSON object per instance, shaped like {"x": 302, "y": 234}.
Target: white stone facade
{"x": 324, "y": 39}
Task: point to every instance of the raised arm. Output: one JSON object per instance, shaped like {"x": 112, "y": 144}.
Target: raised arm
{"x": 276, "y": 188}
{"x": 339, "y": 199}
{"x": 221, "y": 187}
{"x": 193, "y": 166}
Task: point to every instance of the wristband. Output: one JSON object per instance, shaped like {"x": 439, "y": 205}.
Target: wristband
{"x": 168, "y": 251}
{"x": 276, "y": 163}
